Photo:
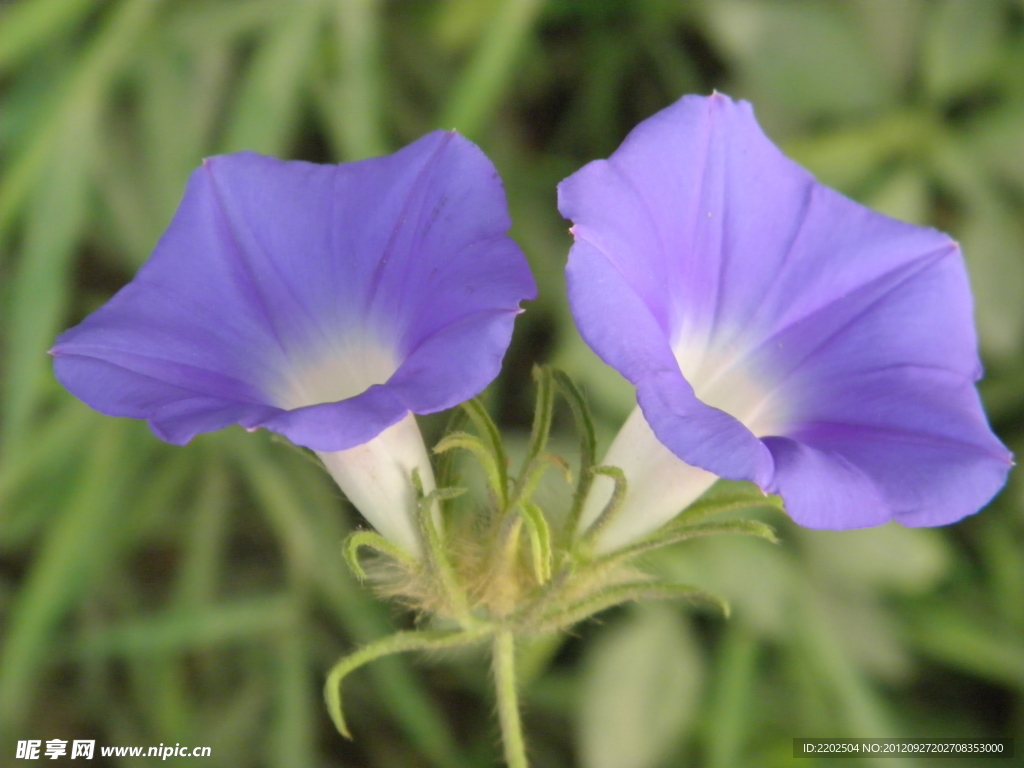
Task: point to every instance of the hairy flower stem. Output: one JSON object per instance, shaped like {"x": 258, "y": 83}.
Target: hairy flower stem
{"x": 508, "y": 701}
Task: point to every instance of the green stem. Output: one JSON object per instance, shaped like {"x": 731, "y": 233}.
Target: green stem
{"x": 508, "y": 702}
{"x": 400, "y": 642}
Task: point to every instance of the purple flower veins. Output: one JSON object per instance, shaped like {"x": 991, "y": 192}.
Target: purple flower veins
{"x": 775, "y": 331}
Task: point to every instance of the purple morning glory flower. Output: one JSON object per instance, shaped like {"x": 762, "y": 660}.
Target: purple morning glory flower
{"x": 775, "y": 331}
{"x": 324, "y": 302}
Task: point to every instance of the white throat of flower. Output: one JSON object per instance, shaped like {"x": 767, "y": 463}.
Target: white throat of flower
{"x": 333, "y": 372}
{"x": 660, "y": 484}
{"x": 377, "y": 475}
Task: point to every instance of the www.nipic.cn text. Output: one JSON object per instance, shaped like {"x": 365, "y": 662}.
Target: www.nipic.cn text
{"x": 34, "y": 749}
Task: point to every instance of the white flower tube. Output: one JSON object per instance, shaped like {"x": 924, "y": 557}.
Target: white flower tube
{"x": 660, "y": 485}
{"x": 377, "y": 478}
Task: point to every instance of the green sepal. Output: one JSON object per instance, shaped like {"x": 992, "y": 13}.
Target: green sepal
{"x": 446, "y": 465}
{"x": 532, "y": 473}
{"x": 491, "y": 438}
{"x": 581, "y": 414}
{"x": 496, "y": 480}
{"x": 712, "y": 504}
{"x": 588, "y": 446}
{"x": 540, "y": 540}
{"x": 553, "y": 590}
{"x": 373, "y": 540}
{"x": 437, "y": 555}
{"x": 400, "y": 642}
{"x": 540, "y": 431}
{"x": 625, "y": 593}
{"x": 506, "y": 549}
{"x": 678, "y": 533}
{"x": 611, "y": 509}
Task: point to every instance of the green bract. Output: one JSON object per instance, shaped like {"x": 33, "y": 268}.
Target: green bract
{"x": 509, "y": 572}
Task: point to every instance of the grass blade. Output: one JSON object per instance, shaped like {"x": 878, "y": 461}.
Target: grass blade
{"x": 488, "y": 73}
{"x": 268, "y": 106}
{"x": 71, "y": 557}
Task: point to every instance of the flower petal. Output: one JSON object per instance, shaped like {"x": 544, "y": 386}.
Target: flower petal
{"x": 918, "y": 434}
{"x": 620, "y": 326}
{"x": 822, "y": 489}
{"x": 322, "y": 302}
{"x": 720, "y": 278}
{"x": 352, "y": 421}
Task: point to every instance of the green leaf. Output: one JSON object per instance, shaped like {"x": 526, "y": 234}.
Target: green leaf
{"x": 209, "y": 23}
{"x": 868, "y": 632}
{"x": 758, "y": 581}
{"x": 640, "y": 690}
{"x": 885, "y": 558}
{"x": 1002, "y": 550}
{"x": 459, "y": 23}
{"x": 529, "y": 479}
{"x": 962, "y": 46}
{"x": 811, "y": 58}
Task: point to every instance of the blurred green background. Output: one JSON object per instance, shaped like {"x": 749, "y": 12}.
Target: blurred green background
{"x": 151, "y": 594}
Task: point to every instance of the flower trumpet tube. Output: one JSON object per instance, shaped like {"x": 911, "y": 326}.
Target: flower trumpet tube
{"x": 775, "y": 331}
{"x": 327, "y": 303}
